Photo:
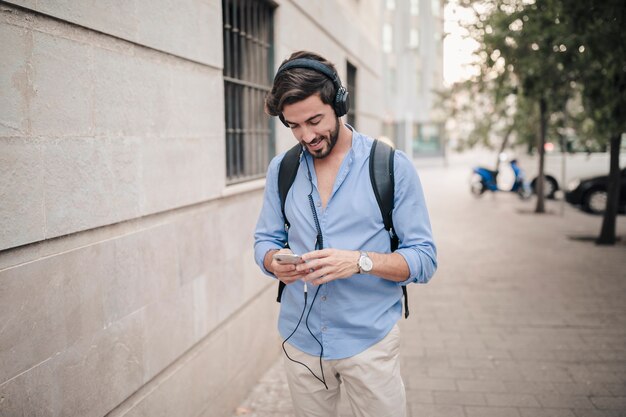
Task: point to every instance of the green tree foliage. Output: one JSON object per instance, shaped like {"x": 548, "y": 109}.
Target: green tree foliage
{"x": 548, "y": 53}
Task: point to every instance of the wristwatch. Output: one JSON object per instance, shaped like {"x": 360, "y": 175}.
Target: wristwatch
{"x": 365, "y": 263}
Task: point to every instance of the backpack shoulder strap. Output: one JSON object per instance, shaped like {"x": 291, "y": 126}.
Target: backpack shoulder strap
{"x": 381, "y": 176}
{"x": 383, "y": 184}
{"x": 286, "y": 176}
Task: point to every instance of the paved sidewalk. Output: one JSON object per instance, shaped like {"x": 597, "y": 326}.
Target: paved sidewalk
{"x": 519, "y": 321}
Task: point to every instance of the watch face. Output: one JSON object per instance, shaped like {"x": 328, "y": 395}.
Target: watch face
{"x": 365, "y": 263}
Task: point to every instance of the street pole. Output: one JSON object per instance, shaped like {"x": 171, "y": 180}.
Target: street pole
{"x": 563, "y": 185}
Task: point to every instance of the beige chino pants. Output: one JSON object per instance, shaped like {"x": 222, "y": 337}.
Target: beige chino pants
{"x": 371, "y": 380}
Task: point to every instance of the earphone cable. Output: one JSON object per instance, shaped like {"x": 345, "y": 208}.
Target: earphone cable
{"x": 306, "y": 322}
{"x": 319, "y": 244}
{"x": 322, "y": 380}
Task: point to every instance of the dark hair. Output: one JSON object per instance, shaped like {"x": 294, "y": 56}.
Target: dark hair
{"x": 297, "y": 84}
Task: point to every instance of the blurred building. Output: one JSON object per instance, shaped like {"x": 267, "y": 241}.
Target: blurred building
{"x": 133, "y": 150}
{"x": 412, "y": 44}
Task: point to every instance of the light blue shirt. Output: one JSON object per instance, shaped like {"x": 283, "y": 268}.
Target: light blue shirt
{"x": 349, "y": 315}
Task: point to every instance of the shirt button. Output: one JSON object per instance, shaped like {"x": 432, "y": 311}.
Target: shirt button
{"x": 324, "y": 329}
{"x": 319, "y": 204}
{"x": 323, "y": 298}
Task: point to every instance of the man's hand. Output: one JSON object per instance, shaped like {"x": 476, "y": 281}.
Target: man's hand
{"x": 327, "y": 265}
{"x": 287, "y": 273}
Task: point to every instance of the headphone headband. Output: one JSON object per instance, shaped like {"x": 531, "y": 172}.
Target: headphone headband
{"x": 312, "y": 64}
{"x": 341, "y": 103}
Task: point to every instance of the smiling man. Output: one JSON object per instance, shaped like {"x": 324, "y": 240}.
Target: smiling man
{"x": 311, "y": 131}
{"x": 347, "y": 332}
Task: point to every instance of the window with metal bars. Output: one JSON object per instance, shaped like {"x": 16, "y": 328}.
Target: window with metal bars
{"x": 248, "y": 69}
{"x": 351, "y": 86}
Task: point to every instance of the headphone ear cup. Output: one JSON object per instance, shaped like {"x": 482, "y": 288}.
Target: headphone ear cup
{"x": 342, "y": 102}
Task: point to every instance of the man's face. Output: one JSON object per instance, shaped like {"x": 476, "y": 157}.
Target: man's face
{"x": 314, "y": 124}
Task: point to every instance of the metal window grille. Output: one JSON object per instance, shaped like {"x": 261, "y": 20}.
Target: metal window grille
{"x": 351, "y": 86}
{"x": 248, "y": 58}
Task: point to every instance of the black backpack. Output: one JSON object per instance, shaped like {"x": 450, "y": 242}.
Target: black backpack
{"x": 381, "y": 176}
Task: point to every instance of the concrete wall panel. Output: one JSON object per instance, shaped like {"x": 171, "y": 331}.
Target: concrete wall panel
{"x": 89, "y": 182}
{"x": 63, "y": 101}
{"x": 207, "y": 380}
{"x": 198, "y": 245}
{"x": 169, "y": 330}
{"x": 22, "y": 214}
{"x": 49, "y": 305}
{"x": 29, "y": 296}
{"x": 145, "y": 270}
{"x": 177, "y": 173}
{"x": 187, "y": 28}
{"x": 15, "y": 87}
{"x": 99, "y": 372}
{"x": 138, "y": 93}
{"x": 87, "y": 379}
{"x": 129, "y": 93}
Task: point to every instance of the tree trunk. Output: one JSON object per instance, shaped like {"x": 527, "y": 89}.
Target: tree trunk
{"x": 505, "y": 142}
{"x": 607, "y": 233}
{"x": 541, "y": 207}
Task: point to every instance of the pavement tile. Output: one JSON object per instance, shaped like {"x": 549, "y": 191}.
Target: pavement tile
{"x": 532, "y": 354}
{"x": 430, "y": 384}
{"x": 435, "y": 410}
{"x": 503, "y": 375}
{"x": 527, "y": 387}
{"x": 582, "y": 388}
{"x": 449, "y": 372}
{"x": 545, "y": 372}
{"x": 577, "y": 356}
{"x": 446, "y": 353}
{"x": 546, "y": 412}
{"x": 474, "y": 385}
{"x": 491, "y": 412}
{"x": 589, "y": 375}
{"x": 490, "y": 354}
{"x": 419, "y": 396}
{"x": 599, "y": 413}
{"x": 472, "y": 363}
{"x": 511, "y": 400}
{"x": 618, "y": 389}
{"x": 550, "y": 399}
{"x": 459, "y": 398}
{"x": 610, "y": 403}
{"x": 611, "y": 355}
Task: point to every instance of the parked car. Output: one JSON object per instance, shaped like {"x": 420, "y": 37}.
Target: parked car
{"x": 562, "y": 168}
{"x": 582, "y": 160}
{"x": 590, "y": 194}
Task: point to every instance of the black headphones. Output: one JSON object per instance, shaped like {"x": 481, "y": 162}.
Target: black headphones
{"x": 341, "y": 104}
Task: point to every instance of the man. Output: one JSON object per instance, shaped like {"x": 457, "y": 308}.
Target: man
{"x": 350, "y": 335}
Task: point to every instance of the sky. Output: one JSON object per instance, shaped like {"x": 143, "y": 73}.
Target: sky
{"x": 457, "y": 50}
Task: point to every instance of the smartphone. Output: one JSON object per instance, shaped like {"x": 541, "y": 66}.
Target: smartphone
{"x": 287, "y": 258}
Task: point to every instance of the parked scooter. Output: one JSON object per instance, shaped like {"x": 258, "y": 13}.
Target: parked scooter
{"x": 485, "y": 179}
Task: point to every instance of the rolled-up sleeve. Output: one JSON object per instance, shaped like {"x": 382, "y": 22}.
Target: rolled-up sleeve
{"x": 270, "y": 228}
{"x": 412, "y": 223}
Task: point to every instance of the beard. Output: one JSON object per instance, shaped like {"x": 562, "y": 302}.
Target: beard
{"x": 330, "y": 140}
